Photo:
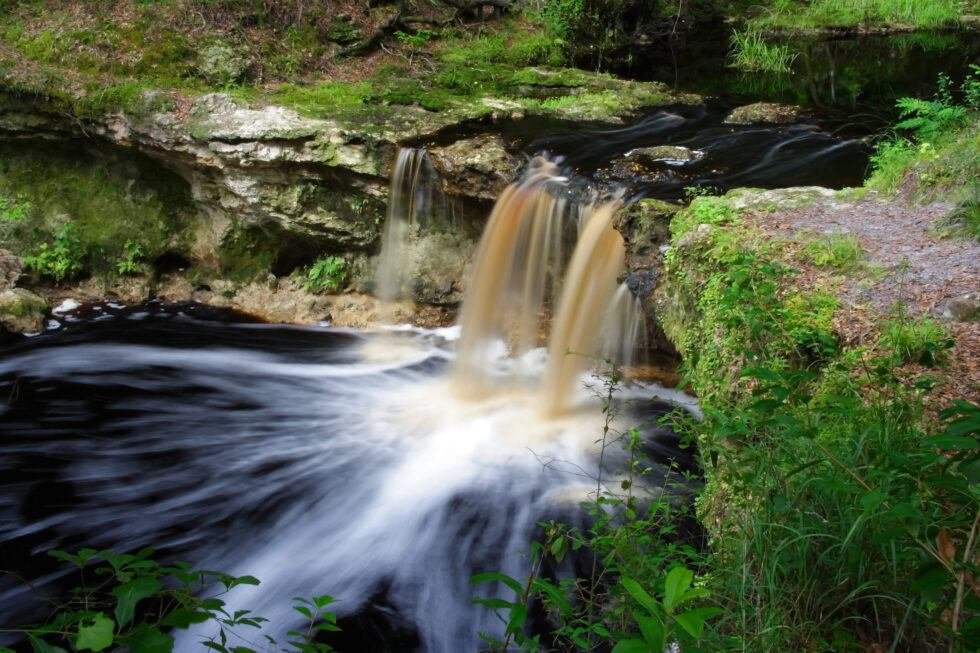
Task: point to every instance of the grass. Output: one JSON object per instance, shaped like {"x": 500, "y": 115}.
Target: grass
{"x": 837, "y": 250}
{"x": 751, "y": 52}
{"x": 922, "y": 14}
{"x": 915, "y": 339}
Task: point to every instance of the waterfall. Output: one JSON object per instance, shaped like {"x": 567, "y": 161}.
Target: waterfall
{"x": 520, "y": 268}
{"x": 415, "y": 200}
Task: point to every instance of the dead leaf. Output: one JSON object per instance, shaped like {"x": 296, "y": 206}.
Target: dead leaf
{"x": 947, "y": 550}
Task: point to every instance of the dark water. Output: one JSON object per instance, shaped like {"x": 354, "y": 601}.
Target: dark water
{"x": 856, "y": 79}
{"x": 318, "y": 460}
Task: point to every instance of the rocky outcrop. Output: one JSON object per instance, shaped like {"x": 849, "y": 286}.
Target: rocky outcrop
{"x": 477, "y": 167}
{"x": 675, "y": 154}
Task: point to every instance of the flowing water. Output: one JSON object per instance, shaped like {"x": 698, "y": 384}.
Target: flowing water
{"x": 303, "y": 456}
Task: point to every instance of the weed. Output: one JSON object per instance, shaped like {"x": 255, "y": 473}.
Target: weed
{"x": 130, "y": 263}
{"x": 138, "y": 602}
{"x": 915, "y": 339}
{"x": 836, "y": 250}
{"x": 61, "y": 260}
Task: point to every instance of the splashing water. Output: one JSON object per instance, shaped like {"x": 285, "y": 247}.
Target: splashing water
{"x": 519, "y": 266}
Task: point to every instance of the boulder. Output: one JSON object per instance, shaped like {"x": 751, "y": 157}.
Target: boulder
{"x": 675, "y": 154}
{"x": 764, "y": 113}
{"x": 965, "y": 308}
{"x": 22, "y": 311}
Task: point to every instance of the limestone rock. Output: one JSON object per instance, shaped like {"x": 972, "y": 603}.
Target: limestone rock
{"x": 475, "y": 167}
{"x": 10, "y": 269}
{"x": 965, "y": 308}
{"x": 22, "y": 311}
{"x": 675, "y": 154}
{"x": 766, "y": 113}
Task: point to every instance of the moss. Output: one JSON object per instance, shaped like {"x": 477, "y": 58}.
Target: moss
{"x": 89, "y": 188}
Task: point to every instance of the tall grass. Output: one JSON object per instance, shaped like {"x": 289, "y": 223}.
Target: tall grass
{"x": 751, "y": 52}
{"x": 849, "y": 13}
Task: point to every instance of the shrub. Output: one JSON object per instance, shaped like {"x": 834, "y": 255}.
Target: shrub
{"x": 837, "y": 250}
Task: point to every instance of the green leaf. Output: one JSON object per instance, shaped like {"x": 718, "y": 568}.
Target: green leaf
{"x": 151, "y": 640}
{"x": 494, "y": 576}
{"x": 185, "y": 617}
{"x": 950, "y": 442}
{"x": 554, "y": 594}
{"x": 96, "y": 634}
{"x": 653, "y": 632}
{"x": 678, "y": 580}
{"x": 131, "y": 593}
{"x": 640, "y": 595}
{"x": 633, "y": 646}
{"x": 518, "y": 615}
{"x": 693, "y": 620}
{"x": 323, "y": 600}
{"x": 38, "y": 645}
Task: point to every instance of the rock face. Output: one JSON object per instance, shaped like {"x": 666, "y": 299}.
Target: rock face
{"x": 478, "y": 167}
{"x": 766, "y": 113}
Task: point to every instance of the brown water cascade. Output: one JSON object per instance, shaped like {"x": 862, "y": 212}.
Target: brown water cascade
{"x": 520, "y": 270}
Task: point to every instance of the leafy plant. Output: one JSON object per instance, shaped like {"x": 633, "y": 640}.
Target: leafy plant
{"x": 133, "y": 255}
{"x": 13, "y": 210}
{"x": 60, "y": 261}
{"x": 416, "y": 39}
{"x": 635, "y": 552}
{"x": 837, "y": 250}
{"x": 915, "y": 339}
{"x": 328, "y": 273}
{"x": 133, "y": 602}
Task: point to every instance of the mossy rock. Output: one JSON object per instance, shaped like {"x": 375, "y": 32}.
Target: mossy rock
{"x": 22, "y": 311}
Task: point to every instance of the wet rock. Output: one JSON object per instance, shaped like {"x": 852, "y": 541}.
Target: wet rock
{"x": 665, "y": 154}
{"x": 965, "y": 308}
{"x": 11, "y": 267}
{"x": 22, "y": 311}
{"x": 478, "y": 167}
{"x": 766, "y": 113}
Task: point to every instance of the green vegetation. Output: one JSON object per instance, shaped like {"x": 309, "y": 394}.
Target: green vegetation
{"x": 830, "y": 492}
{"x": 750, "y": 51}
{"x": 326, "y": 274}
{"x": 937, "y": 147}
{"x": 641, "y": 593}
{"x": 794, "y": 14}
{"x": 915, "y": 339}
{"x": 133, "y": 602}
{"x": 60, "y": 261}
{"x": 837, "y": 250}
{"x": 80, "y": 210}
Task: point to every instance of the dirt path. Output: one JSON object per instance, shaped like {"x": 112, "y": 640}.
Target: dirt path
{"x": 906, "y": 260}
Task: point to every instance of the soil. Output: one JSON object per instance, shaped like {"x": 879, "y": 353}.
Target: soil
{"x": 906, "y": 262}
